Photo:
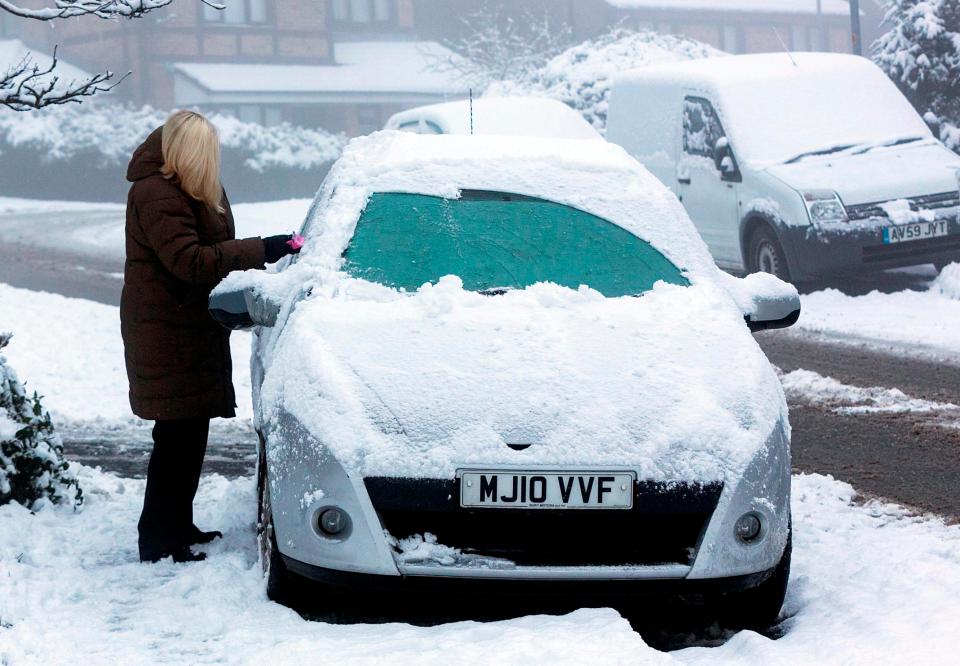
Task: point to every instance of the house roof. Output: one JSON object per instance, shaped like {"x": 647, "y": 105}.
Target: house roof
{"x": 12, "y": 51}
{"x": 362, "y": 69}
{"x": 828, "y": 7}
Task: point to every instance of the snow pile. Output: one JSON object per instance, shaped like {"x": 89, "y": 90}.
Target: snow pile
{"x": 899, "y": 212}
{"x": 424, "y": 549}
{"x": 948, "y": 282}
{"x": 582, "y": 75}
{"x": 923, "y": 321}
{"x": 849, "y": 600}
{"x": 812, "y": 388}
{"x": 112, "y": 132}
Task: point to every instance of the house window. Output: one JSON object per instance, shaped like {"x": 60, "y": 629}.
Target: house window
{"x": 237, "y": 12}
{"x": 363, "y": 11}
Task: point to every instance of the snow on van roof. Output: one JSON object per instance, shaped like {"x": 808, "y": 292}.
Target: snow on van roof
{"x": 834, "y": 7}
{"x": 776, "y": 106}
{"x": 505, "y": 116}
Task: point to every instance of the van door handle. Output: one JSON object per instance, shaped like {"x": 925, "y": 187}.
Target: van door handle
{"x": 684, "y": 180}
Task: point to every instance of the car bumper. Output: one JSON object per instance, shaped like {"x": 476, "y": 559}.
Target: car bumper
{"x": 662, "y": 510}
{"x": 837, "y": 249}
{"x": 540, "y": 586}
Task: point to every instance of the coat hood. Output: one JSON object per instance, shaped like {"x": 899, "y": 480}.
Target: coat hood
{"x": 148, "y": 158}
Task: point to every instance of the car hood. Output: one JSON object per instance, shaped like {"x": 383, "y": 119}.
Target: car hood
{"x": 670, "y": 384}
{"x": 882, "y": 174}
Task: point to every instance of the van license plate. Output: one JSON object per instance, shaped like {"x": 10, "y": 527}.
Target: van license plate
{"x": 546, "y": 490}
{"x": 916, "y": 231}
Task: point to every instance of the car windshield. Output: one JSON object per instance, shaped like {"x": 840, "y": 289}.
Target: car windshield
{"x": 495, "y": 242}
{"x": 802, "y": 114}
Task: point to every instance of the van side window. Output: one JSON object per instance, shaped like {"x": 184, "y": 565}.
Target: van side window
{"x": 701, "y": 127}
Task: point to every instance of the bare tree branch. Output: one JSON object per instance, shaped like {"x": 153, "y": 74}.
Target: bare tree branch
{"x": 495, "y": 47}
{"x": 27, "y": 86}
{"x": 106, "y": 9}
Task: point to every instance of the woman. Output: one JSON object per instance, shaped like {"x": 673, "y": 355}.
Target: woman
{"x": 180, "y": 244}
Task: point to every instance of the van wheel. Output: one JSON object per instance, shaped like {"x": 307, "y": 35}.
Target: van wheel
{"x": 279, "y": 584}
{"x": 940, "y": 265}
{"x": 759, "y": 607}
{"x": 766, "y": 254}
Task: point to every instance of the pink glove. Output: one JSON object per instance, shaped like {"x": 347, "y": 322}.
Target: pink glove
{"x": 296, "y": 241}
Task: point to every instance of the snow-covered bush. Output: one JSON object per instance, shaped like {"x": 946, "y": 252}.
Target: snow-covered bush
{"x": 921, "y": 53}
{"x": 112, "y": 132}
{"x": 32, "y": 467}
{"x": 582, "y": 75}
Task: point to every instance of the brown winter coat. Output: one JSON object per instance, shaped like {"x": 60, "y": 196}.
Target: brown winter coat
{"x": 178, "y": 249}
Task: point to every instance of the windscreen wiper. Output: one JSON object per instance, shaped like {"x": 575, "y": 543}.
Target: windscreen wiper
{"x": 887, "y": 144}
{"x": 494, "y": 291}
{"x": 823, "y": 151}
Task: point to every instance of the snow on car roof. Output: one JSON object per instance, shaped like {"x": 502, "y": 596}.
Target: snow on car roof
{"x": 594, "y": 176}
{"x": 506, "y": 116}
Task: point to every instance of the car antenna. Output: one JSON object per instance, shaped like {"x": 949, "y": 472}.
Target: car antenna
{"x": 471, "y": 110}
{"x": 784, "y": 45}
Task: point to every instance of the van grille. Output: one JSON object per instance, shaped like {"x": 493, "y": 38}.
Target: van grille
{"x": 664, "y": 527}
{"x": 927, "y": 202}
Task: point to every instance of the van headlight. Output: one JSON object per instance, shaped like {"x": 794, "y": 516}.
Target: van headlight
{"x": 824, "y": 207}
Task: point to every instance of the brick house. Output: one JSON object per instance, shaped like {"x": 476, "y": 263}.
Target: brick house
{"x": 345, "y": 65}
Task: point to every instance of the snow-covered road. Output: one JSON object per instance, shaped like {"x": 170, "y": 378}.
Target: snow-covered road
{"x": 871, "y": 584}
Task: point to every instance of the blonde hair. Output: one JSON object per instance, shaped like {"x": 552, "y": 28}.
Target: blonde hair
{"x": 191, "y": 153}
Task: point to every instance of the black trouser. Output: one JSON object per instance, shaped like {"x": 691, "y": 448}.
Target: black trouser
{"x": 172, "y": 479}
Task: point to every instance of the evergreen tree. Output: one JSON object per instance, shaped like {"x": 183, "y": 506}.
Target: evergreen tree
{"x": 921, "y": 53}
{"x": 32, "y": 466}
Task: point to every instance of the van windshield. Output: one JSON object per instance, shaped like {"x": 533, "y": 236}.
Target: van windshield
{"x": 810, "y": 111}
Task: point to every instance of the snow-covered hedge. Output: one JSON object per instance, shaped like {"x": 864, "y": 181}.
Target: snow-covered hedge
{"x": 113, "y": 131}
{"x": 582, "y": 75}
{"x": 921, "y": 53}
{"x": 81, "y": 151}
{"x": 32, "y": 467}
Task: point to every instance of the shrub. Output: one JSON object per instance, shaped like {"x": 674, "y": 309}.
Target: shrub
{"x": 32, "y": 467}
{"x": 921, "y": 53}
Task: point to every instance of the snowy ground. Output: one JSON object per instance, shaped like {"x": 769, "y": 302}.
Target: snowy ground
{"x": 870, "y": 584}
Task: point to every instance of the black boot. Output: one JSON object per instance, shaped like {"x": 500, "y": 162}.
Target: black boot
{"x": 179, "y": 554}
{"x": 197, "y": 536}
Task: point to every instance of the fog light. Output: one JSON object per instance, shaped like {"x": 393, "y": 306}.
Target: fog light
{"x": 333, "y": 521}
{"x": 748, "y": 527}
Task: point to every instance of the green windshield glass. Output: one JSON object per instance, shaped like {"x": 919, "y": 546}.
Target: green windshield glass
{"x": 493, "y": 240}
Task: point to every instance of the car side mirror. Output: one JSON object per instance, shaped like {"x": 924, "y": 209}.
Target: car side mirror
{"x": 243, "y": 308}
{"x": 773, "y": 312}
{"x": 767, "y": 302}
{"x": 724, "y": 160}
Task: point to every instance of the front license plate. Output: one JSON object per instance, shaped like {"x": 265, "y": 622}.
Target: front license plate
{"x": 546, "y": 490}
{"x": 903, "y": 233}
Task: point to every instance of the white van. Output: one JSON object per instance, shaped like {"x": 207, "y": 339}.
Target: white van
{"x": 502, "y": 116}
{"x": 803, "y": 165}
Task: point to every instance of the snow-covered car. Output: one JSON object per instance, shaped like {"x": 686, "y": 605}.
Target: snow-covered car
{"x": 501, "y": 116}
{"x": 512, "y": 361}
{"x": 804, "y": 165}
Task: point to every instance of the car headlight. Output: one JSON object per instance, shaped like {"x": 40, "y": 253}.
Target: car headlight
{"x": 824, "y": 206}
